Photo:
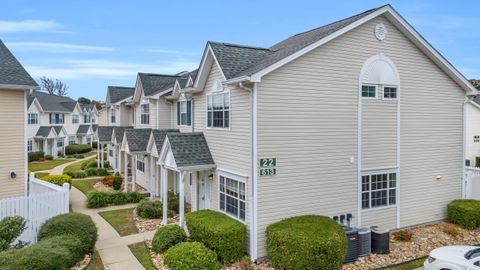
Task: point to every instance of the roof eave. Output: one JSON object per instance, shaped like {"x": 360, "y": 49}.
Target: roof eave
{"x": 197, "y": 168}
{"x": 18, "y": 87}
{"x": 237, "y": 80}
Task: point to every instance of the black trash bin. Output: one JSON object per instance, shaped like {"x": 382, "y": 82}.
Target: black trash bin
{"x": 380, "y": 240}
{"x": 352, "y": 244}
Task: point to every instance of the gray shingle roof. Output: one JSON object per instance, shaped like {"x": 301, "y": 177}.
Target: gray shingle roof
{"x": 43, "y": 131}
{"x": 159, "y": 135}
{"x": 190, "y": 149}
{"x": 117, "y": 93}
{"x": 137, "y": 139}
{"x": 11, "y": 71}
{"x": 194, "y": 73}
{"x": 58, "y": 129}
{"x": 94, "y": 127}
{"x": 105, "y": 133}
{"x": 86, "y": 106}
{"x": 52, "y": 103}
{"x": 119, "y": 133}
{"x": 154, "y": 83}
{"x": 82, "y": 129}
{"x": 239, "y": 60}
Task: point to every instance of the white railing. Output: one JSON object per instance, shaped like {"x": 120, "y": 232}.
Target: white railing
{"x": 472, "y": 183}
{"x": 44, "y": 200}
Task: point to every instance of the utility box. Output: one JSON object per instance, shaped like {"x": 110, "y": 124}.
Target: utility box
{"x": 365, "y": 241}
{"x": 380, "y": 240}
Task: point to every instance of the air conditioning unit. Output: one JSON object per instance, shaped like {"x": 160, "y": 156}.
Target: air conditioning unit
{"x": 352, "y": 244}
{"x": 365, "y": 242}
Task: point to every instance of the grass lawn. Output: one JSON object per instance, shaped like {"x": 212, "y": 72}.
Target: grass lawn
{"x": 46, "y": 165}
{"x": 75, "y": 166}
{"x": 409, "y": 266}
{"x": 85, "y": 185}
{"x": 121, "y": 220}
{"x": 39, "y": 175}
{"x": 96, "y": 263}
{"x": 143, "y": 256}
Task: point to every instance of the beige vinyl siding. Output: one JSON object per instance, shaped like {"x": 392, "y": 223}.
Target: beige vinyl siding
{"x": 307, "y": 119}
{"x": 164, "y": 114}
{"x": 12, "y": 142}
{"x": 123, "y": 116}
{"x": 383, "y": 217}
{"x": 379, "y": 134}
{"x": 152, "y": 110}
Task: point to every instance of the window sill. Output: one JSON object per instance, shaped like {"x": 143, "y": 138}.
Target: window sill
{"x": 232, "y": 216}
{"x": 379, "y": 208}
{"x": 217, "y": 129}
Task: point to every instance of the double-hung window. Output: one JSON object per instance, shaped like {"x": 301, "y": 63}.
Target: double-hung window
{"x": 232, "y": 197}
{"x": 33, "y": 118}
{"x": 86, "y": 119}
{"x": 140, "y": 163}
{"x": 71, "y": 140}
{"x": 112, "y": 116}
{"x": 145, "y": 114}
{"x": 218, "y": 110}
{"x": 56, "y": 118}
{"x": 379, "y": 190}
{"x": 184, "y": 113}
{"x": 59, "y": 142}
{"x": 29, "y": 145}
{"x": 75, "y": 119}
{"x": 110, "y": 152}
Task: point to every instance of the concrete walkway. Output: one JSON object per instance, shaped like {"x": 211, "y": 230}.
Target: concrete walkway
{"x": 112, "y": 247}
{"x": 59, "y": 168}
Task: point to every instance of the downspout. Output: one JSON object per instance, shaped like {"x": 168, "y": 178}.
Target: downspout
{"x": 253, "y": 185}
{"x": 464, "y": 143}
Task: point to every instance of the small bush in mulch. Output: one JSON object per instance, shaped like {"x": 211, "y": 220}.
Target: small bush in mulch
{"x": 77, "y": 149}
{"x": 58, "y": 179}
{"x": 465, "y": 213}
{"x": 167, "y": 236}
{"x": 404, "y": 236}
{"x": 97, "y": 199}
{"x": 306, "y": 242}
{"x": 96, "y": 172}
{"x": 173, "y": 202}
{"x": 48, "y": 157}
{"x": 10, "y": 229}
{"x": 224, "y": 235}
{"x": 76, "y": 174}
{"x": 190, "y": 256}
{"x": 117, "y": 181}
{"x": 107, "y": 180}
{"x": 451, "y": 229}
{"x": 35, "y": 156}
{"x": 150, "y": 209}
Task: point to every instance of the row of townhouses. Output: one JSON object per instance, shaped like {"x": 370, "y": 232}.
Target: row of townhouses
{"x": 336, "y": 120}
{"x": 54, "y": 122}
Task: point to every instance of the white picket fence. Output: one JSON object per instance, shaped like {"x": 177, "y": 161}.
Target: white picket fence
{"x": 472, "y": 183}
{"x": 44, "y": 200}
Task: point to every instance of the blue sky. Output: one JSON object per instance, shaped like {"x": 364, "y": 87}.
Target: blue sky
{"x": 93, "y": 44}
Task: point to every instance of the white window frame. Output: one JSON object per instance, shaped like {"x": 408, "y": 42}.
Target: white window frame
{"x": 32, "y": 120}
{"x": 238, "y": 179}
{"x": 54, "y": 118}
{"x": 179, "y": 103}
{"x": 29, "y": 145}
{"x": 72, "y": 138}
{"x": 62, "y": 141}
{"x": 140, "y": 160}
{"x": 145, "y": 113}
{"x": 389, "y": 86}
{"x": 223, "y": 110}
{"x": 388, "y": 188}
{"x": 75, "y": 119}
{"x": 85, "y": 118}
{"x": 369, "y": 84}
{"x": 113, "y": 116}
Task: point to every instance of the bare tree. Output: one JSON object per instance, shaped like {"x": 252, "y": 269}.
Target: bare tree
{"x": 56, "y": 87}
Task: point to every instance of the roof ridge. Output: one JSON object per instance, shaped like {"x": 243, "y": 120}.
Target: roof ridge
{"x": 157, "y": 74}
{"x": 240, "y": 45}
{"x": 127, "y": 87}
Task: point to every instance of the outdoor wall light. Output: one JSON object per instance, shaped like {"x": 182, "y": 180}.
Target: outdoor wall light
{"x": 13, "y": 174}
{"x": 210, "y": 177}
{"x": 438, "y": 177}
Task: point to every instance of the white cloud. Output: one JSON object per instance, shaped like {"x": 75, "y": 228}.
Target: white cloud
{"x": 166, "y": 51}
{"x": 29, "y": 26}
{"x": 83, "y": 69}
{"x": 56, "y": 47}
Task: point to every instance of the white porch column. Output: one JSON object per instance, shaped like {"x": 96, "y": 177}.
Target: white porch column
{"x": 181, "y": 197}
{"x": 98, "y": 154}
{"x": 158, "y": 191}
{"x": 164, "y": 184}
{"x": 114, "y": 165}
{"x": 45, "y": 145}
{"x": 125, "y": 177}
{"x": 102, "y": 150}
{"x": 134, "y": 172}
{"x": 151, "y": 166}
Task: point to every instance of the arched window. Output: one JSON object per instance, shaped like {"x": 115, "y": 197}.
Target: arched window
{"x": 379, "y": 79}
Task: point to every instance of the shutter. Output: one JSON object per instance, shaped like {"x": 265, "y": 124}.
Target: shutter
{"x": 189, "y": 112}
{"x": 50, "y": 118}
{"x": 178, "y": 113}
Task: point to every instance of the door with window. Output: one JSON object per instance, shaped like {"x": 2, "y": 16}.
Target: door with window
{"x": 202, "y": 191}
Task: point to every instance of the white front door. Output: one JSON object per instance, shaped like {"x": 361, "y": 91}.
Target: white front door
{"x": 203, "y": 198}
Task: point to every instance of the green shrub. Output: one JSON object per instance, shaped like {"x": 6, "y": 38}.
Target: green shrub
{"x": 306, "y": 242}
{"x": 117, "y": 181}
{"x": 73, "y": 244}
{"x": 173, "y": 202}
{"x": 77, "y": 149}
{"x": 191, "y": 256}
{"x": 167, "y": 236}
{"x": 94, "y": 145}
{"x": 48, "y": 157}
{"x": 92, "y": 163}
{"x": 75, "y": 224}
{"x": 220, "y": 233}
{"x": 76, "y": 174}
{"x": 150, "y": 209}
{"x": 477, "y": 161}
{"x": 35, "y": 156}
{"x": 58, "y": 179}
{"x": 10, "y": 229}
{"x": 96, "y": 172}
{"x": 465, "y": 213}
{"x": 97, "y": 199}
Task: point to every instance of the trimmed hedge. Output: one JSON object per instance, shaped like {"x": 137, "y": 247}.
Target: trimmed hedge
{"x": 35, "y": 156}
{"x": 477, "y": 161}
{"x": 191, "y": 256}
{"x": 150, "y": 209}
{"x": 97, "y": 199}
{"x": 76, "y": 174}
{"x": 168, "y": 236}
{"x": 96, "y": 172}
{"x": 73, "y": 244}
{"x": 117, "y": 181}
{"x": 74, "y": 224}
{"x": 306, "y": 242}
{"x": 465, "y": 213}
{"x": 58, "y": 179}
{"x": 77, "y": 149}
{"x": 220, "y": 233}
{"x": 48, "y": 157}
{"x": 10, "y": 229}
{"x": 92, "y": 163}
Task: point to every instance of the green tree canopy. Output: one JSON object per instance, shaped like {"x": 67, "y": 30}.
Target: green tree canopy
{"x": 475, "y": 83}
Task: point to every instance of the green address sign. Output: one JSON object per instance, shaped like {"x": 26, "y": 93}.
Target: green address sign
{"x": 267, "y": 172}
{"x": 268, "y": 162}
{"x": 267, "y": 167}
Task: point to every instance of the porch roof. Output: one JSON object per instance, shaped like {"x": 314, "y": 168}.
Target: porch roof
{"x": 137, "y": 139}
{"x": 94, "y": 128}
{"x": 104, "y": 133}
{"x": 43, "y": 131}
{"x": 58, "y": 129}
{"x": 159, "y": 136}
{"x": 190, "y": 150}
{"x": 83, "y": 129}
{"x": 119, "y": 131}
